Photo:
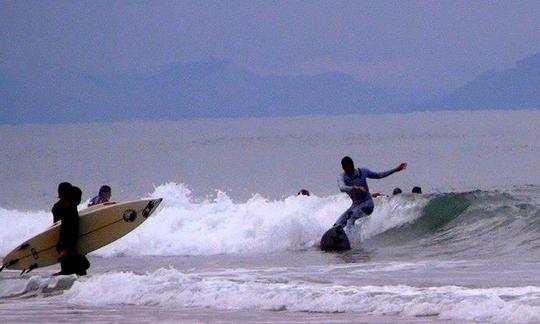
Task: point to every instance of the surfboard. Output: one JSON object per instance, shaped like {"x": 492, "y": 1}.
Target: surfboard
{"x": 335, "y": 240}
{"x": 99, "y": 225}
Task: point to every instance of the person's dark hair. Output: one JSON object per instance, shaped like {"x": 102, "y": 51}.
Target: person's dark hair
{"x": 346, "y": 160}
{"x": 417, "y": 190}
{"x": 104, "y": 189}
{"x": 75, "y": 195}
{"x": 63, "y": 189}
{"x": 303, "y": 192}
{"x": 396, "y": 191}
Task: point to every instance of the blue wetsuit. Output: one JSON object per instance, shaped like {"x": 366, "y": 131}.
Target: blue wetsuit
{"x": 97, "y": 200}
{"x": 362, "y": 203}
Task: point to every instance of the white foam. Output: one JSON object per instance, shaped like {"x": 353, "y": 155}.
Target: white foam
{"x": 18, "y": 226}
{"x": 21, "y": 287}
{"x": 183, "y": 227}
{"x": 221, "y": 226}
{"x": 169, "y": 287}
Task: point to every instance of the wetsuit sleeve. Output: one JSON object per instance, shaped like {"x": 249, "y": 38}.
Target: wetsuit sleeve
{"x": 69, "y": 231}
{"x": 56, "y": 211}
{"x": 377, "y": 175}
{"x": 93, "y": 202}
{"x": 342, "y": 186}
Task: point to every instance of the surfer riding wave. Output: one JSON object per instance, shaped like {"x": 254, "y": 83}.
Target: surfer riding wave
{"x": 354, "y": 182}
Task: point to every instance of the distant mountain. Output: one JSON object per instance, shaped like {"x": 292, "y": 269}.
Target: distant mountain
{"x": 218, "y": 89}
{"x": 193, "y": 90}
{"x": 514, "y": 88}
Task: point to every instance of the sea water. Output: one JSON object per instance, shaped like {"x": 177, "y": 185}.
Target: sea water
{"x": 233, "y": 243}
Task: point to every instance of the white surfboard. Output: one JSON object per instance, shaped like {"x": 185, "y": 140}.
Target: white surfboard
{"x": 98, "y": 226}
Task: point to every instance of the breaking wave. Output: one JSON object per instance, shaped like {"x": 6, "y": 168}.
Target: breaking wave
{"x": 478, "y": 223}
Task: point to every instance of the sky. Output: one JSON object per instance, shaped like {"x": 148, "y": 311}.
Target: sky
{"x": 412, "y": 46}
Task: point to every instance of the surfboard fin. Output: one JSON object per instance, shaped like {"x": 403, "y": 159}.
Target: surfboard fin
{"x": 32, "y": 267}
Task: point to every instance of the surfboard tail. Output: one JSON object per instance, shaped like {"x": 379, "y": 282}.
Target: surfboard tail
{"x": 10, "y": 263}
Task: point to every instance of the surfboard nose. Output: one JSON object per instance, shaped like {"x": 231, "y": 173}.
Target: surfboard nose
{"x": 156, "y": 202}
{"x": 151, "y": 207}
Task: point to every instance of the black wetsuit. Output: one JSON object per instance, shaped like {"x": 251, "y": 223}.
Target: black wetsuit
{"x": 69, "y": 229}
{"x": 58, "y": 210}
{"x": 69, "y": 232}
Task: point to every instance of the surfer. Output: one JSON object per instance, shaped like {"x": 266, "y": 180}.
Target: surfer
{"x": 103, "y": 196}
{"x": 70, "y": 261}
{"x": 416, "y": 190}
{"x": 354, "y": 182}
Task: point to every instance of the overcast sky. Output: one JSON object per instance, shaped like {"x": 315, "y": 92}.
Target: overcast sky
{"x": 411, "y": 45}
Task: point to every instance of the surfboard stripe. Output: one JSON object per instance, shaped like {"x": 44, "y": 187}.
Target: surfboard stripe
{"x": 80, "y": 236}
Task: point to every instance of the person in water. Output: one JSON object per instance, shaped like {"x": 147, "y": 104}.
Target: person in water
{"x": 303, "y": 192}
{"x": 354, "y": 182}
{"x": 63, "y": 193}
{"x": 70, "y": 260}
{"x": 416, "y": 190}
{"x": 396, "y": 191}
{"x": 103, "y": 196}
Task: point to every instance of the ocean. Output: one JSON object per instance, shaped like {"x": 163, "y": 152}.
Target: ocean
{"x": 232, "y": 242}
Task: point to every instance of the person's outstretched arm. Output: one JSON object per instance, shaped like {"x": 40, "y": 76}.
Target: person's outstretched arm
{"x": 379, "y": 175}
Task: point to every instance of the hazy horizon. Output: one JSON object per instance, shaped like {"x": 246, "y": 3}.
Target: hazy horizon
{"x": 125, "y": 60}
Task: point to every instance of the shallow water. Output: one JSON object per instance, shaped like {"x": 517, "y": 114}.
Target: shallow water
{"x": 288, "y": 287}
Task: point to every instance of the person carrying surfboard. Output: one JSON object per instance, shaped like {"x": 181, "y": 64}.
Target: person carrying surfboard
{"x": 70, "y": 260}
{"x": 354, "y": 182}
